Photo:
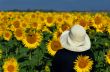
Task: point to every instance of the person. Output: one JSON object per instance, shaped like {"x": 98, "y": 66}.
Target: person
{"x": 75, "y": 42}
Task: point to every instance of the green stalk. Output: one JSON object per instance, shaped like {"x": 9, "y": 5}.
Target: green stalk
{"x": 30, "y": 57}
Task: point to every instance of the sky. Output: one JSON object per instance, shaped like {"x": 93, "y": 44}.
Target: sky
{"x": 58, "y": 5}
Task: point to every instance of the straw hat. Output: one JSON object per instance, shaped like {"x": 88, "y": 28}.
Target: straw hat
{"x": 75, "y": 39}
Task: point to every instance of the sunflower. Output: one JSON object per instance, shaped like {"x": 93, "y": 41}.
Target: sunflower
{"x": 47, "y": 69}
{"x": 7, "y": 35}
{"x": 1, "y": 32}
{"x": 32, "y": 40}
{"x": 107, "y": 57}
{"x": 16, "y": 23}
{"x": 24, "y": 24}
{"x": 53, "y": 46}
{"x": 99, "y": 20}
{"x": 84, "y": 21}
{"x": 57, "y": 34}
{"x": 18, "y": 33}
{"x": 59, "y": 19}
{"x": 33, "y": 15}
{"x": 68, "y": 18}
{"x": 65, "y": 27}
{"x": 83, "y": 64}
{"x": 0, "y": 53}
{"x": 36, "y": 24}
{"x": 108, "y": 26}
{"x": 11, "y": 65}
{"x": 42, "y": 18}
{"x": 45, "y": 29}
{"x": 50, "y": 19}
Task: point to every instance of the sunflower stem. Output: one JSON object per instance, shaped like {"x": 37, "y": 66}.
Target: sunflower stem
{"x": 30, "y": 55}
{"x": 6, "y": 52}
{"x": 16, "y": 50}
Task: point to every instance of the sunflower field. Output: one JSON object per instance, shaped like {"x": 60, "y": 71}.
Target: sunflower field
{"x": 29, "y": 40}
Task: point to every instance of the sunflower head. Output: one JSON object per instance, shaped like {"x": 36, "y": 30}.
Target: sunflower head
{"x": 32, "y": 40}
{"x": 83, "y": 22}
{"x": 65, "y": 27}
{"x": 53, "y": 46}
{"x": 107, "y": 57}
{"x": 16, "y": 24}
{"x": 7, "y": 35}
{"x": 59, "y": 19}
{"x": 10, "y": 65}
{"x": 0, "y": 53}
{"x": 18, "y": 33}
{"x": 49, "y": 19}
{"x": 98, "y": 19}
{"x": 83, "y": 64}
{"x": 57, "y": 34}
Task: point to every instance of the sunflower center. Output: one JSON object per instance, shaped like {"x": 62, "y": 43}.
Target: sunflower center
{"x": 109, "y": 56}
{"x": 82, "y": 63}
{"x": 83, "y": 23}
{"x": 65, "y": 27}
{"x": 7, "y": 35}
{"x": 34, "y": 24}
{"x": 16, "y": 24}
{"x": 42, "y": 19}
{"x": 49, "y": 19}
{"x": 97, "y": 20}
{"x": 31, "y": 38}
{"x": 4, "y": 18}
{"x": 66, "y": 16}
{"x": 23, "y": 25}
{"x": 58, "y": 34}
{"x": 10, "y": 68}
{"x": 59, "y": 19}
{"x": 33, "y": 16}
{"x": 55, "y": 45}
{"x": 18, "y": 33}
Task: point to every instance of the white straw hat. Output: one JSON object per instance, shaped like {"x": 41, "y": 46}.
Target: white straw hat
{"x": 75, "y": 39}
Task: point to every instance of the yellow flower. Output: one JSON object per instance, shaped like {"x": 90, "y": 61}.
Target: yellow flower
{"x": 7, "y": 35}
{"x": 57, "y": 34}
{"x": 32, "y": 40}
{"x": 83, "y": 64}
{"x": 16, "y": 24}
{"x": 98, "y": 18}
{"x": 36, "y": 24}
{"x": 47, "y": 69}
{"x": 68, "y": 18}
{"x": 44, "y": 28}
{"x": 42, "y": 18}
{"x": 0, "y": 53}
{"x": 99, "y": 22}
{"x": 53, "y": 46}
{"x": 25, "y": 24}
{"x": 1, "y": 32}
{"x": 107, "y": 57}
{"x": 108, "y": 26}
{"x": 84, "y": 21}
{"x": 49, "y": 19}
{"x": 59, "y": 19}
{"x": 64, "y": 27}
{"x": 19, "y": 34}
{"x": 10, "y": 65}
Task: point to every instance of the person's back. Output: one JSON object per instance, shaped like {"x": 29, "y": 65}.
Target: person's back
{"x": 64, "y": 60}
{"x": 76, "y": 55}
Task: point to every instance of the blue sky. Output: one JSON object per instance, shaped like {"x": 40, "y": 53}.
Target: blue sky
{"x": 60, "y": 5}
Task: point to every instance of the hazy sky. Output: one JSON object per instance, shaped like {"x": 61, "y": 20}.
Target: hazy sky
{"x": 65, "y": 5}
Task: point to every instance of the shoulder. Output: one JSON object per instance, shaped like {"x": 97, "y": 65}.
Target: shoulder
{"x": 63, "y": 52}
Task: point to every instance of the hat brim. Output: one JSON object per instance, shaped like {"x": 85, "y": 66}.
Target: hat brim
{"x": 74, "y": 46}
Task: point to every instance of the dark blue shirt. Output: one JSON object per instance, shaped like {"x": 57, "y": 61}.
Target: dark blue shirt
{"x": 63, "y": 60}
